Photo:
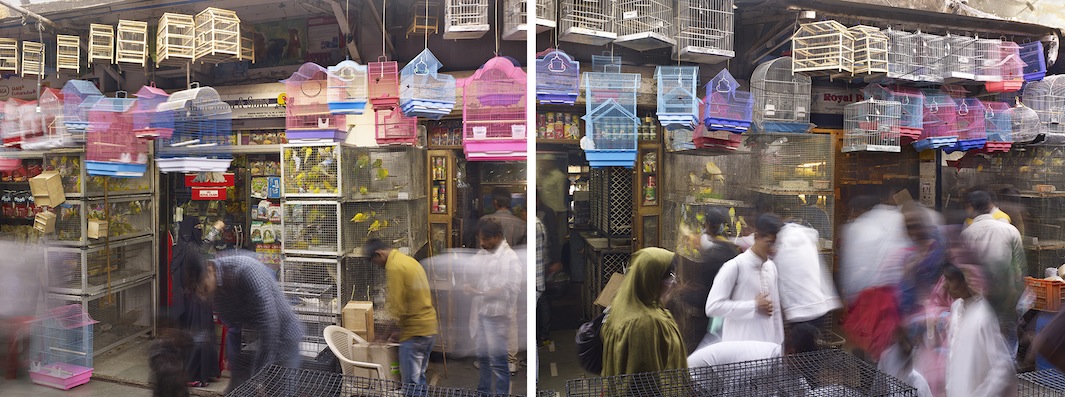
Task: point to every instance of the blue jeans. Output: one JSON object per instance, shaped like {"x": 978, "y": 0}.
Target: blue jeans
{"x": 492, "y": 355}
{"x": 414, "y": 358}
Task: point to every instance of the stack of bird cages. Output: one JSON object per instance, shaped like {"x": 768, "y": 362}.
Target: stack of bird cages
{"x": 825, "y": 47}
{"x": 307, "y": 114}
{"x": 704, "y": 31}
{"x": 586, "y": 22}
{"x": 112, "y": 147}
{"x": 63, "y": 357}
{"x": 999, "y": 127}
{"x": 312, "y": 284}
{"x": 678, "y": 103}
{"x": 1025, "y": 124}
{"x": 50, "y": 116}
{"x": 383, "y": 83}
{"x": 726, "y": 107}
{"x": 939, "y": 122}
{"x": 465, "y": 19}
{"x": 347, "y": 88}
{"x": 148, "y": 121}
{"x": 1047, "y": 98}
{"x": 77, "y": 183}
{"x": 217, "y": 36}
{"x": 68, "y": 53}
{"x": 318, "y": 170}
{"x": 1048, "y": 382}
{"x": 903, "y": 63}
{"x": 911, "y": 100}
{"x": 9, "y": 56}
{"x": 89, "y": 271}
{"x": 399, "y": 223}
{"x": 493, "y": 112}
{"x": 88, "y": 222}
{"x": 101, "y": 43}
{"x": 795, "y": 164}
{"x": 32, "y": 59}
{"x": 872, "y": 125}
{"x": 392, "y": 127}
{"x": 123, "y": 312}
{"x": 79, "y": 96}
{"x": 175, "y": 40}
{"x": 971, "y": 126}
{"x": 611, "y": 191}
{"x": 545, "y": 15}
{"x": 644, "y": 24}
{"x": 202, "y": 135}
{"x": 870, "y": 51}
{"x": 959, "y": 64}
{"x": 931, "y": 51}
{"x": 425, "y": 92}
{"x": 1035, "y": 65}
{"x": 423, "y": 18}
{"x": 610, "y": 119}
{"x": 515, "y": 17}
{"x": 781, "y": 98}
{"x": 558, "y": 78}
{"x": 387, "y": 173}
{"x": 132, "y": 42}
{"x": 1009, "y": 76}
{"x": 10, "y": 127}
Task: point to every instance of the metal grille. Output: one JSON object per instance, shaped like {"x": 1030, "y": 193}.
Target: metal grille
{"x": 1025, "y": 124}
{"x": 813, "y": 210}
{"x": 314, "y": 333}
{"x": 644, "y": 24}
{"x": 65, "y": 337}
{"x": 399, "y": 223}
{"x": 132, "y": 44}
{"x": 126, "y": 218}
{"x": 386, "y": 173}
{"x": 704, "y": 31}
{"x": 824, "y": 372}
{"x": 960, "y": 61}
{"x": 872, "y": 125}
{"x": 311, "y": 284}
{"x": 314, "y": 170}
{"x": 558, "y": 77}
{"x": 77, "y": 183}
{"x": 101, "y": 43}
{"x": 280, "y": 381}
{"x": 9, "y": 55}
{"x": 307, "y": 104}
{"x": 423, "y": 91}
{"x": 465, "y": 19}
{"x": 931, "y": 50}
{"x": 1048, "y": 382}
{"x": 311, "y": 227}
{"x": 123, "y": 313}
{"x": 678, "y": 102}
{"x": 781, "y": 97}
{"x": 32, "y": 58}
{"x": 348, "y": 88}
{"x": 586, "y": 22}
{"x": 824, "y": 47}
{"x": 870, "y": 50}
{"x": 217, "y": 35}
{"x": 601, "y": 265}
{"x": 1035, "y": 66}
{"x": 90, "y": 271}
{"x": 902, "y": 55}
{"x": 611, "y": 194}
{"x": 175, "y": 39}
{"x": 792, "y": 164}
{"x": 68, "y": 53}
{"x": 675, "y": 383}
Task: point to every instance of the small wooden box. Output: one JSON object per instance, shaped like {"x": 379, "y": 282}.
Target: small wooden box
{"x": 97, "y": 228}
{"x": 358, "y": 317}
{"x": 47, "y": 189}
{"x": 44, "y": 222}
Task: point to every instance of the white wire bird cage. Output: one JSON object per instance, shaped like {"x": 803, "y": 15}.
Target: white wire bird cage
{"x": 1047, "y": 98}
{"x": 870, "y": 51}
{"x": 11, "y": 126}
{"x": 726, "y": 108}
{"x": 1007, "y": 73}
{"x": 347, "y": 88}
{"x": 1035, "y": 65}
{"x": 939, "y": 123}
{"x": 493, "y": 113}
{"x": 217, "y": 36}
{"x": 68, "y": 53}
{"x": 9, "y": 55}
{"x": 311, "y": 227}
{"x": 111, "y": 147}
{"x": 424, "y": 91}
{"x": 971, "y": 126}
{"x": 644, "y": 24}
{"x": 131, "y": 45}
{"x": 1025, "y": 124}
{"x": 999, "y": 127}
{"x": 586, "y": 22}
{"x": 704, "y": 31}
{"x": 931, "y": 51}
{"x": 911, "y": 101}
{"x": 515, "y": 22}
{"x": 148, "y": 121}
{"x": 465, "y": 19}
{"x": 175, "y": 39}
{"x": 988, "y": 55}
{"x": 307, "y": 114}
{"x": 78, "y": 97}
{"x": 202, "y": 133}
{"x": 64, "y": 348}
{"x": 903, "y": 63}
{"x": 101, "y": 43}
{"x": 546, "y": 12}
{"x": 610, "y": 119}
{"x": 32, "y": 59}
{"x": 781, "y": 98}
{"x": 873, "y": 126}
{"x": 959, "y": 62}
{"x": 558, "y": 78}
{"x": 824, "y": 47}
{"x": 678, "y": 101}
{"x": 423, "y": 18}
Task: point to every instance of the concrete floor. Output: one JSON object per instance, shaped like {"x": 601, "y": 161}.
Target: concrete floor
{"x": 96, "y": 388}
{"x": 558, "y": 362}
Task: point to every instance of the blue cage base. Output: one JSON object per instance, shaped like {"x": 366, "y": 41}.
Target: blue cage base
{"x": 785, "y": 127}
{"x": 1034, "y": 76}
{"x": 316, "y": 135}
{"x": 556, "y": 99}
{"x": 354, "y": 107}
{"x": 432, "y": 110}
{"x": 737, "y": 126}
{"x": 965, "y": 145}
{"x": 611, "y": 158}
{"x": 939, "y": 142}
{"x": 678, "y": 121}
{"x": 117, "y": 170}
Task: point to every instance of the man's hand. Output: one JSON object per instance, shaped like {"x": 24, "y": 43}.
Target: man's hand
{"x": 763, "y": 305}
{"x": 468, "y": 289}
{"x": 393, "y": 338}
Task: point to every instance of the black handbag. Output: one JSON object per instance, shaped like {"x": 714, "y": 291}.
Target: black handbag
{"x": 590, "y": 345}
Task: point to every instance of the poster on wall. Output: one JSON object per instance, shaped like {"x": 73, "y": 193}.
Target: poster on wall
{"x": 323, "y": 41}
{"x": 280, "y": 43}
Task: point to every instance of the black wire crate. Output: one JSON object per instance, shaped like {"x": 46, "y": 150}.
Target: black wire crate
{"x": 281, "y": 381}
{"x": 673, "y": 383}
{"x": 1048, "y": 382}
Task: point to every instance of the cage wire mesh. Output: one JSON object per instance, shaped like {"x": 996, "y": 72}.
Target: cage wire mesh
{"x": 201, "y": 120}
{"x": 148, "y": 121}
{"x": 493, "y": 110}
{"x": 465, "y": 19}
{"x": 911, "y": 101}
{"x": 988, "y": 54}
{"x": 794, "y": 164}
{"x": 50, "y": 115}
{"x": 122, "y": 312}
{"x": 112, "y": 147}
{"x": 1047, "y": 98}
{"x": 68, "y": 53}
{"x": 314, "y": 170}
{"x": 781, "y": 97}
{"x": 129, "y": 217}
{"x": 1025, "y": 124}
{"x": 546, "y": 15}
{"x": 360, "y": 280}
{"x": 597, "y": 272}
{"x": 10, "y": 127}
{"x": 77, "y": 183}
{"x": 726, "y": 107}
{"x": 999, "y": 126}
{"x": 823, "y": 47}
{"x": 89, "y": 271}
{"x": 972, "y": 130}
{"x": 939, "y": 122}
{"x": 175, "y": 39}
{"x": 30, "y": 127}
{"x": 101, "y": 43}
{"x": 960, "y": 61}
{"x": 307, "y": 114}
{"x": 610, "y": 119}
{"x": 714, "y": 180}
{"x": 348, "y": 88}
{"x": 311, "y": 227}
{"x": 1048, "y": 382}
{"x": 644, "y": 24}
{"x": 872, "y": 125}
{"x": 870, "y": 50}
{"x": 392, "y": 127}
{"x": 277, "y": 381}
{"x": 398, "y": 223}
{"x": 131, "y": 45}
{"x": 514, "y": 20}
{"x": 383, "y": 83}
{"x": 424, "y": 92}
{"x": 558, "y": 77}
{"x": 903, "y": 63}
{"x": 79, "y": 97}
{"x": 931, "y": 51}
{"x": 678, "y": 102}
{"x": 1009, "y": 76}
{"x": 9, "y": 55}
{"x": 311, "y": 284}
{"x": 586, "y": 22}
{"x": 386, "y": 173}
{"x": 673, "y": 383}
{"x": 1035, "y": 66}
{"x": 704, "y": 31}
{"x": 313, "y": 342}
{"x": 217, "y": 36}
{"x": 65, "y": 337}
{"x": 32, "y": 59}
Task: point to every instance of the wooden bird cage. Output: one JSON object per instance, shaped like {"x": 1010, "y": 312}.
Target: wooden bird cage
{"x": 32, "y": 58}
{"x": 586, "y": 22}
{"x": 217, "y": 35}
{"x": 101, "y": 43}
{"x": 9, "y": 55}
{"x": 68, "y": 53}
{"x": 824, "y": 47}
{"x": 644, "y": 24}
{"x": 465, "y": 19}
{"x": 175, "y": 40}
{"x": 247, "y": 45}
{"x": 131, "y": 45}
{"x": 870, "y": 51}
{"x": 704, "y": 31}
{"x": 423, "y": 19}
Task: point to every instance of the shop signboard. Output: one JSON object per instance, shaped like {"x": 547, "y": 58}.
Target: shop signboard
{"x": 832, "y": 100}
{"x": 208, "y": 194}
{"x": 254, "y": 101}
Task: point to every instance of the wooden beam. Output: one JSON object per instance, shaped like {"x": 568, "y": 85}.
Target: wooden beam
{"x": 380, "y": 26}
{"x": 345, "y": 27}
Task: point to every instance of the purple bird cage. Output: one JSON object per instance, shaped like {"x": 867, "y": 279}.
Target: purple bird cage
{"x": 1035, "y": 64}
{"x": 148, "y": 121}
{"x": 971, "y": 126}
{"x": 558, "y": 78}
{"x": 727, "y": 108}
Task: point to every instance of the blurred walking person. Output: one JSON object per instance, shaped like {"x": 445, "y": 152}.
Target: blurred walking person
{"x": 514, "y": 233}
{"x": 979, "y": 363}
{"x": 807, "y": 293}
{"x": 192, "y": 313}
{"x": 694, "y": 279}
{"x": 492, "y": 311}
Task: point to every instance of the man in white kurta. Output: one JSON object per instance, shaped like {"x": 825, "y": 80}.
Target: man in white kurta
{"x": 865, "y": 242}
{"x": 745, "y": 292}
{"x": 979, "y": 364}
{"x": 806, "y": 288}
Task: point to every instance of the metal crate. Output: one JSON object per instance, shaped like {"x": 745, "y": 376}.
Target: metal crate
{"x": 388, "y": 173}
{"x": 123, "y": 313}
{"x": 77, "y": 183}
{"x": 311, "y": 284}
{"x": 311, "y": 228}
{"x": 399, "y": 223}
{"x": 611, "y": 199}
{"x": 128, "y": 217}
{"x": 1048, "y": 382}
{"x": 602, "y": 262}
{"x": 318, "y": 170}
{"x": 280, "y": 381}
{"x": 89, "y": 271}
{"x": 314, "y": 325}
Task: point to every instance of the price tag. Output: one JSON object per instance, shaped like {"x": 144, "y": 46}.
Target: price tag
{"x": 403, "y": 195}
{"x": 480, "y": 132}
{"x": 517, "y": 131}
{"x": 629, "y": 14}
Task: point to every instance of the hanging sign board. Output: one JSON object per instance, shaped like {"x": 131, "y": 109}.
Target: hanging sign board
{"x": 832, "y": 100}
{"x": 208, "y": 194}
{"x": 213, "y": 179}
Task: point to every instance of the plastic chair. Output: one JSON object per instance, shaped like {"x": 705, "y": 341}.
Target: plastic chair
{"x": 340, "y": 341}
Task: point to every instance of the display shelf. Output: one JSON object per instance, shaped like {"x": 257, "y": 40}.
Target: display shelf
{"x": 130, "y": 217}
{"x": 780, "y": 191}
{"x": 123, "y": 313}
{"x": 90, "y": 271}
{"x": 574, "y": 142}
{"x": 350, "y": 173}
{"x": 78, "y": 183}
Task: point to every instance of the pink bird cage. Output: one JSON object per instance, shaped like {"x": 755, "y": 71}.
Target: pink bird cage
{"x": 999, "y": 126}
{"x": 1009, "y": 69}
{"x": 493, "y": 116}
{"x": 395, "y": 128}
{"x": 911, "y": 121}
{"x": 970, "y": 126}
{"x": 307, "y": 114}
{"x": 383, "y": 83}
{"x": 721, "y": 140}
{"x": 11, "y": 128}
{"x": 51, "y": 118}
{"x": 939, "y": 122}
{"x": 112, "y": 148}
{"x": 148, "y": 121}
{"x": 727, "y": 108}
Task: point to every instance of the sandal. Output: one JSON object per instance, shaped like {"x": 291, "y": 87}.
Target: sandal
{"x": 196, "y": 383}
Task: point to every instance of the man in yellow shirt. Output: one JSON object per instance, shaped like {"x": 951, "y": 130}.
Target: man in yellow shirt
{"x": 409, "y": 299}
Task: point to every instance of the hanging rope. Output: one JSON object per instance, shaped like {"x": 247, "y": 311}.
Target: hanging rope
{"x": 384, "y": 10}
{"x": 495, "y": 18}
{"x": 426, "y": 30}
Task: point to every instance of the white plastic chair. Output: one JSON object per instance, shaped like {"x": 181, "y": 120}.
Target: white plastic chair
{"x": 340, "y": 341}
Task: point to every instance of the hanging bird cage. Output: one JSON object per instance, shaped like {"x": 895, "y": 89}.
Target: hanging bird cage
{"x": 515, "y": 26}
{"x": 931, "y": 50}
{"x": 1025, "y": 124}
{"x": 586, "y": 22}
{"x": 1008, "y": 72}
{"x": 999, "y": 127}
{"x": 11, "y": 126}
{"x": 545, "y": 15}
{"x": 307, "y": 115}
{"x": 9, "y": 55}
{"x": 781, "y": 98}
{"x": 347, "y": 88}
{"x": 870, "y": 51}
{"x": 465, "y": 19}
{"x": 1047, "y": 98}
{"x": 940, "y": 121}
{"x": 644, "y": 24}
{"x": 678, "y": 102}
{"x": 959, "y": 65}
{"x": 988, "y": 56}
{"x": 610, "y": 120}
{"x": 606, "y": 63}
{"x": 717, "y": 139}
{"x": 392, "y": 127}
{"x": 727, "y": 108}
{"x": 1035, "y": 65}
{"x": 32, "y": 58}
{"x": 101, "y": 43}
{"x": 51, "y": 120}
{"x": 903, "y": 61}
{"x": 971, "y": 126}
{"x": 132, "y": 44}
{"x": 911, "y": 101}
{"x": 872, "y": 126}
{"x": 175, "y": 39}
{"x": 112, "y": 148}
{"x": 202, "y": 133}
{"x": 247, "y": 45}
{"x": 217, "y": 36}
{"x": 704, "y": 31}
{"x": 68, "y": 53}
{"x": 383, "y": 83}
{"x": 423, "y": 19}
{"x": 148, "y": 121}
{"x": 822, "y": 48}
{"x": 79, "y": 96}
{"x": 493, "y": 114}
{"x": 558, "y": 78}
{"x": 424, "y": 92}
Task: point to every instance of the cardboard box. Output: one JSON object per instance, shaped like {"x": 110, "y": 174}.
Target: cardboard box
{"x": 47, "y": 189}
{"x": 44, "y": 222}
{"x": 358, "y": 317}
{"x": 611, "y": 289}
{"x": 97, "y": 228}
{"x": 386, "y": 354}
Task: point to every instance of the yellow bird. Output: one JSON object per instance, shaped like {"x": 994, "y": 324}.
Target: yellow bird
{"x": 363, "y": 190}
{"x": 360, "y": 217}
{"x": 377, "y": 163}
{"x": 375, "y": 226}
{"x": 382, "y": 173}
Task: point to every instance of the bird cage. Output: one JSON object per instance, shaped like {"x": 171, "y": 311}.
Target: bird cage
{"x": 30, "y": 127}
{"x": 911, "y": 118}
{"x": 393, "y": 127}
{"x": 971, "y": 126}
{"x": 931, "y": 50}
{"x": 311, "y": 228}
{"x": 10, "y": 126}
{"x": 425, "y": 92}
{"x": 870, "y": 50}
{"x": 202, "y": 132}
{"x": 988, "y": 55}
{"x": 247, "y": 45}
{"x": 1004, "y": 72}
{"x": 717, "y": 135}
{"x": 64, "y": 344}
{"x": 939, "y": 123}
{"x": 959, "y": 63}
{"x": 175, "y": 39}
{"x": 112, "y": 148}
{"x": 872, "y": 126}
{"x": 307, "y": 114}
{"x": 515, "y": 26}
{"x": 1035, "y": 65}
{"x": 9, "y": 55}
{"x": 383, "y": 83}
{"x": 824, "y": 47}
{"x": 610, "y": 119}
{"x": 465, "y": 19}
{"x": 1047, "y": 98}
{"x": 1025, "y": 125}
{"x": 726, "y": 107}
{"x": 423, "y": 18}
{"x": 68, "y": 53}
{"x": 606, "y": 63}
{"x": 101, "y": 43}
{"x": 493, "y": 112}
{"x": 558, "y": 78}
{"x": 148, "y": 121}
{"x": 50, "y": 117}
{"x": 132, "y": 42}
{"x": 78, "y": 97}
{"x": 704, "y": 31}
{"x": 644, "y": 24}
{"x": 678, "y": 102}
{"x": 781, "y": 97}
{"x": 999, "y": 127}
{"x": 217, "y": 36}
{"x": 32, "y": 58}
{"x": 586, "y": 22}
{"x": 1044, "y": 382}
{"x": 903, "y": 63}
{"x": 347, "y": 88}
{"x": 545, "y": 15}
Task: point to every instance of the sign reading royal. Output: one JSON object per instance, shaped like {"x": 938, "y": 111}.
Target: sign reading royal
{"x": 832, "y": 100}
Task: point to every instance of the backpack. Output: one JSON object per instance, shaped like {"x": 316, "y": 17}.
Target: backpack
{"x": 590, "y": 344}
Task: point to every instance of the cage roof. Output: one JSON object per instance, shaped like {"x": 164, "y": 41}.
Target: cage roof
{"x": 150, "y": 92}
{"x": 307, "y": 71}
{"x": 113, "y": 105}
{"x": 81, "y": 88}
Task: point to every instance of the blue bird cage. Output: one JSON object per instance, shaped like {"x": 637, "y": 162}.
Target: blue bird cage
{"x": 911, "y": 122}
{"x": 203, "y": 133}
{"x": 423, "y": 91}
{"x": 558, "y": 78}
{"x": 1035, "y": 65}
{"x": 727, "y": 108}
{"x": 79, "y": 96}
{"x": 348, "y": 88}
{"x": 610, "y": 120}
{"x": 678, "y": 101}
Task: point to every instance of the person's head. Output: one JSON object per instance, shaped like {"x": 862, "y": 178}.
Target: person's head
{"x": 802, "y": 338}
{"x": 919, "y": 224}
{"x": 377, "y": 251}
{"x": 766, "y": 227}
{"x": 653, "y": 274}
{"x": 200, "y": 277}
{"x": 955, "y": 282}
{"x": 501, "y": 198}
{"x": 978, "y": 202}
{"x": 715, "y": 221}
{"x": 489, "y": 234}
